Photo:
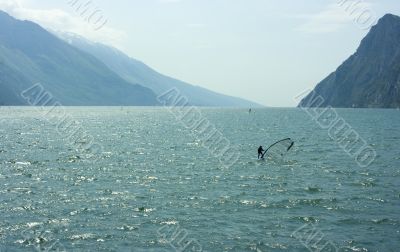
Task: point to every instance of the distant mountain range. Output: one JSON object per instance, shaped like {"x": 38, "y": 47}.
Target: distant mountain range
{"x": 29, "y": 54}
{"x": 371, "y": 77}
{"x": 81, "y": 73}
{"x": 134, "y": 71}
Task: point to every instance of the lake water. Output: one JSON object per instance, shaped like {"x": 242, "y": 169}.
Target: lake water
{"x": 154, "y": 187}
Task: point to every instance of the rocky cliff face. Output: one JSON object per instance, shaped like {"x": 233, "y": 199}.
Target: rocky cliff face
{"x": 371, "y": 77}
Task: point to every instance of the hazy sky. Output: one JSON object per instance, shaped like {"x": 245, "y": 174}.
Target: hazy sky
{"x": 265, "y": 51}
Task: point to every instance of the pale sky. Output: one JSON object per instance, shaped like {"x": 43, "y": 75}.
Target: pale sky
{"x": 264, "y": 51}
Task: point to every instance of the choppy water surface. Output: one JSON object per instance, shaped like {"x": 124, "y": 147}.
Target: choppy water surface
{"x": 154, "y": 175}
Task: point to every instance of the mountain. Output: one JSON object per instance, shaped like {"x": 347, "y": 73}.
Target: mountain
{"x": 370, "y": 78}
{"x": 29, "y": 54}
{"x": 135, "y": 71}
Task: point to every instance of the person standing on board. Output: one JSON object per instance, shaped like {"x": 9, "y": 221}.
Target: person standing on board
{"x": 260, "y": 152}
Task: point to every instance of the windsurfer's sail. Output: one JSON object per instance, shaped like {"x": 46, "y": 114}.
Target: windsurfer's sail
{"x": 279, "y": 148}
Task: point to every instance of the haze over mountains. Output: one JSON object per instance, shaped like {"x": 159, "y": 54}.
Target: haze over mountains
{"x": 368, "y": 79}
{"x": 81, "y": 73}
{"x": 29, "y": 54}
{"x": 134, "y": 71}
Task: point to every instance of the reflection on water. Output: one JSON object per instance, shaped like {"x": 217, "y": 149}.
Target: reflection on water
{"x": 154, "y": 173}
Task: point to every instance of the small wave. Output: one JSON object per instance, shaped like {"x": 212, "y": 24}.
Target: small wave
{"x": 351, "y": 247}
{"x": 312, "y": 189}
{"x": 23, "y": 163}
{"x": 128, "y": 228}
{"x": 306, "y": 219}
{"x": 60, "y": 222}
{"x": 144, "y": 210}
{"x": 78, "y": 211}
{"x": 118, "y": 193}
{"x": 33, "y": 224}
{"x": 367, "y": 183}
{"x": 380, "y": 221}
{"x": 23, "y": 190}
{"x": 73, "y": 159}
{"x": 377, "y": 199}
{"x": 248, "y": 202}
{"x": 311, "y": 202}
{"x": 83, "y": 236}
{"x": 174, "y": 222}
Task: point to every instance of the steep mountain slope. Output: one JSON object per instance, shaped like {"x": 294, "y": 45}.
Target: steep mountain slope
{"x": 135, "y": 71}
{"x": 29, "y": 54}
{"x": 370, "y": 77}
